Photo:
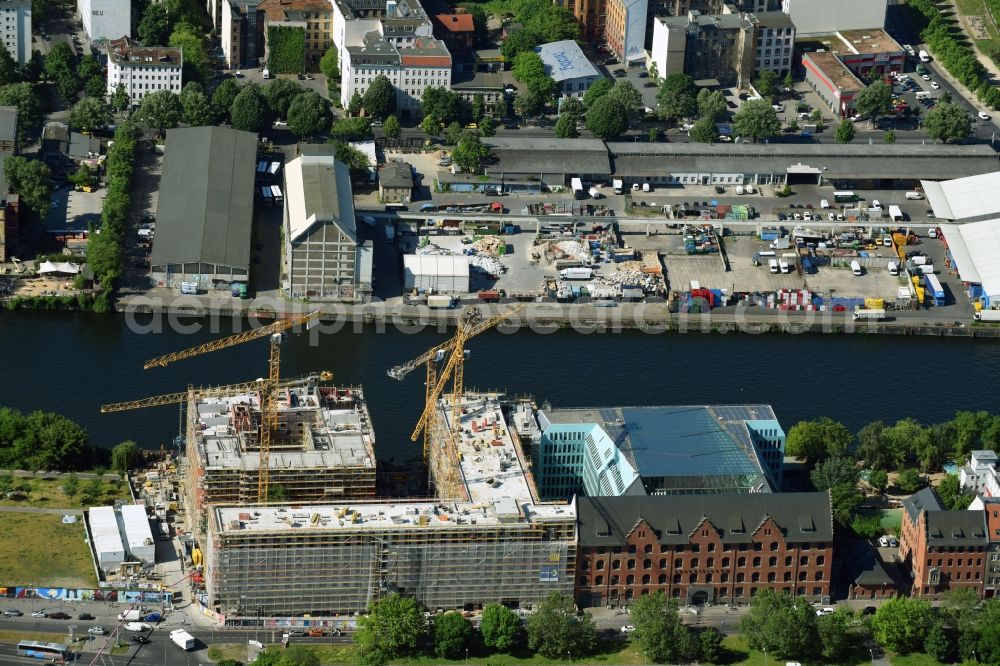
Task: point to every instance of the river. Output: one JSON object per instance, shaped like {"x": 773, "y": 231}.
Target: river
{"x": 71, "y": 363}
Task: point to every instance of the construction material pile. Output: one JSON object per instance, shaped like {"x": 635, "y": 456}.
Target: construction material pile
{"x": 568, "y": 249}
{"x": 494, "y": 246}
{"x": 484, "y": 262}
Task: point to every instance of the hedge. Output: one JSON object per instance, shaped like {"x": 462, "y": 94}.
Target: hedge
{"x": 286, "y": 49}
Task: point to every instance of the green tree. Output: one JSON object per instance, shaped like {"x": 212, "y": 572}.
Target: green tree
{"x": 197, "y": 110}
{"x": 500, "y": 627}
{"x": 565, "y": 127}
{"x": 89, "y": 114}
{"x": 874, "y": 449}
{"x": 555, "y": 629}
{"x": 392, "y": 628}
{"x": 836, "y": 635}
{"x": 309, "y": 114}
{"x": 277, "y": 493}
{"x": 8, "y": 67}
{"x": 488, "y": 126}
{"x": 907, "y": 438}
{"x": 392, "y": 128}
{"x": 518, "y": 43}
{"x": 453, "y": 133}
{"x": 188, "y": 38}
{"x": 478, "y": 107}
{"x": 875, "y": 100}
{"x": 834, "y": 472}
{"x": 354, "y": 104}
{"x": 60, "y": 61}
{"x": 817, "y": 440}
{"x": 160, "y": 109}
{"x": 329, "y": 65}
{"x": 941, "y": 644}
{"x": 901, "y": 623}
{"x": 431, "y": 125}
{"x": 879, "y": 480}
{"x": 597, "y": 90}
{"x": 479, "y": 20}
{"x": 529, "y": 70}
{"x": 766, "y": 83}
{"x": 95, "y": 86}
{"x": 607, "y": 119}
{"x": 250, "y": 112}
{"x": 92, "y": 491}
{"x": 968, "y": 431}
{"x": 845, "y": 131}
{"x": 710, "y": 645}
{"x": 659, "y": 631}
{"x": 443, "y": 105}
{"x": 279, "y": 94}
{"x": 351, "y": 129}
{"x": 355, "y": 160}
{"x": 711, "y": 103}
{"x": 909, "y": 481}
{"x": 705, "y": 130}
{"x": 125, "y": 456}
{"x": 451, "y": 635}
{"x": 286, "y": 49}
{"x": 88, "y": 67}
{"x": 781, "y": 625}
{"x": 950, "y": 491}
{"x": 528, "y": 104}
{"x": 845, "y": 498}
{"x": 31, "y": 180}
{"x": 889, "y": 136}
{"x": 154, "y": 28}
{"x": 24, "y": 97}
{"x": 70, "y": 486}
{"x": 788, "y": 81}
{"x": 380, "y": 99}
{"x": 225, "y": 93}
{"x": 470, "y": 153}
{"x": 947, "y": 122}
{"x": 627, "y": 94}
{"x": 31, "y": 71}
{"x": 757, "y": 120}
{"x": 945, "y": 98}
{"x": 677, "y": 97}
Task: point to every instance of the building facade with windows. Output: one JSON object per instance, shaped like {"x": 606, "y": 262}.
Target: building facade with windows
{"x": 410, "y": 68}
{"x": 774, "y": 39}
{"x": 15, "y": 24}
{"x": 705, "y": 46}
{"x": 626, "y": 29}
{"x": 315, "y": 17}
{"x": 104, "y": 19}
{"x": 566, "y": 63}
{"x": 703, "y": 549}
{"x": 241, "y": 32}
{"x": 143, "y": 70}
{"x": 991, "y": 509}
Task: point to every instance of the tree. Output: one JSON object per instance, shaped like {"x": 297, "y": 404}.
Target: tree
{"x": 500, "y": 627}
{"x": 125, "y": 456}
{"x": 88, "y": 67}
{"x": 555, "y": 629}
{"x": 249, "y": 111}
{"x": 277, "y": 493}
{"x": 91, "y": 492}
{"x": 788, "y": 81}
{"x": 380, "y": 98}
{"x": 355, "y": 160}
{"x": 32, "y": 70}
{"x": 627, "y": 94}
{"x": 817, "y": 440}
{"x": 901, "y": 624}
{"x": 279, "y": 94}
{"x": 873, "y": 448}
{"x": 878, "y": 480}
{"x": 89, "y": 114}
{"x": 834, "y": 472}
{"x": 704, "y": 130}
{"x": 160, "y": 109}
{"x": 443, "y": 105}
{"x": 8, "y": 67}
{"x": 875, "y": 99}
{"x": 836, "y": 635}
{"x": 845, "y": 131}
{"x": 945, "y": 98}
{"x": 597, "y": 90}
{"x": 31, "y": 180}
{"x": 528, "y": 104}
{"x": 889, "y": 136}
{"x": 154, "y": 28}
{"x": 225, "y": 93}
{"x": 845, "y": 498}
{"x": 488, "y": 126}
{"x": 60, "y": 61}
{"x": 453, "y": 133}
{"x": 607, "y": 119}
{"x": 566, "y": 126}
{"x": 354, "y": 104}
{"x": 391, "y": 127}
{"x": 478, "y": 107}
{"x": 479, "y": 21}
{"x": 328, "y": 64}
{"x": 710, "y": 645}
{"x": 309, "y": 114}
{"x": 95, "y": 86}
{"x": 756, "y": 119}
{"x": 70, "y": 486}
{"x": 190, "y": 40}
{"x": 451, "y": 635}
{"x": 909, "y": 481}
{"x": 529, "y": 70}
{"x": 393, "y": 626}
{"x": 469, "y": 153}
{"x": 947, "y": 122}
{"x": 24, "y": 96}
{"x": 351, "y": 129}
{"x": 766, "y": 83}
{"x": 711, "y": 103}
{"x": 659, "y": 631}
{"x": 197, "y": 110}
{"x": 940, "y": 643}
{"x": 783, "y": 626}
{"x": 950, "y": 492}
{"x": 677, "y": 97}
{"x": 518, "y": 43}
{"x": 431, "y": 125}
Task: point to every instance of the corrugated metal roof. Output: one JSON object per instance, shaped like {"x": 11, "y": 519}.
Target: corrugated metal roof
{"x": 977, "y": 253}
{"x": 441, "y": 266}
{"x": 965, "y": 199}
{"x": 136, "y": 524}
{"x": 318, "y": 189}
{"x": 104, "y": 532}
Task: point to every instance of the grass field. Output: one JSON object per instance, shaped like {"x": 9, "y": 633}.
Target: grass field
{"x": 48, "y": 494}
{"x": 39, "y": 550}
{"x": 917, "y": 659}
{"x": 978, "y": 8}
{"x": 889, "y": 519}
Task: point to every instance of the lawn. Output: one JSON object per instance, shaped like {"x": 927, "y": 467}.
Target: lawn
{"x": 41, "y": 551}
{"x": 47, "y": 493}
{"x": 915, "y": 659}
{"x": 889, "y": 519}
{"x": 978, "y": 8}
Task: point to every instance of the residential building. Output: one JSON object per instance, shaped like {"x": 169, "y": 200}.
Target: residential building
{"x": 10, "y": 219}
{"x": 104, "y": 19}
{"x": 410, "y": 68}
{"x": 242, "y": 32}
{"x": 704, "y": 549}
{"x": 565, "y": 62}
{"x": 774, "y": 36}
{"x": 669, "y": 46}
{"x": 682, "y": 7}
{"x": 833, "y": 82}
{"x": 979, "y": 475}
{"x": 8, "y": 129}
{"x": 658, "y": 450}
{"x": 15, "y": 17}
{"x": 395, "y": 182}
{"x": 625, "y": 31}
{"x": 866, "y": 572}
{"x": 816, "y": 17}
{"x": 204, "y": 212}
{"x": 592, "y": 15}
{"x": 991, "y": 508}
{"x": 943, "y": 550}
{"x": 314, "y": 17}
{"x": 143, "y": 70}
{"x": 706, "y": 46}
{"x": 457, "y": 31}
{"x": 324, "y": 260}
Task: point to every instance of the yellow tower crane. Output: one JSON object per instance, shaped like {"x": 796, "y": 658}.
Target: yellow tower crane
{"x": 268, "y": 409}
{"x": 454, "y": 351}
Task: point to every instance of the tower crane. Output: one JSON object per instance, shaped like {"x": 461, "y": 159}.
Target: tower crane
{"x": 454, "y": 351}
{"x": 268, "y": 409}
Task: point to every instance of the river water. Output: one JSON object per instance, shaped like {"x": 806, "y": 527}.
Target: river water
{"x": 71, "y": 363}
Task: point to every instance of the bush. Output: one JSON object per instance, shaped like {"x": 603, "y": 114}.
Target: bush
{"x": 286, "y": 50}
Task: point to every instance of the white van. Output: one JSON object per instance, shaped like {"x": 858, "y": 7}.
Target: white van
{"x": 772, "y": 264}
{"x": 823, "y": 203}
{"x": 783, "y": 265}
{"x": 646, "y": 187}
{"x": 856, "y": 267}
{"x": 923, "y": 94}
{"x": 267, "y": 74}
{"x": 893, "y": 268}
{"x": 914, "y": 195}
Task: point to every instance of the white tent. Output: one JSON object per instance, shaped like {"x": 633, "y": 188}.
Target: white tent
{"x": 63, "y": 267}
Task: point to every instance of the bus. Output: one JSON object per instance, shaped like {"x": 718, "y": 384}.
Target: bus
{"x": 54, "y": 652}
{"x": 845, "y": 197}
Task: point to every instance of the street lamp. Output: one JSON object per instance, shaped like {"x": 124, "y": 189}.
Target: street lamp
{"x": 872, "y": 652}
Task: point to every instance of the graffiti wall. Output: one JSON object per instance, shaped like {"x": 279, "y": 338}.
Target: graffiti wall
{"x": 75, "y": 594}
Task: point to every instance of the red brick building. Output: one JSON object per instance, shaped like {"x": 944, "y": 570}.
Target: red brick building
{"x": 943, "y": 550}
{"x": 703, "y": 548}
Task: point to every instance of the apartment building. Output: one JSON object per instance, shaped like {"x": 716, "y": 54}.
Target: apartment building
{"x": 241, "y": 32}
{"x": 706, "y": 46}
{"x": 943, "y": 550}
{"x": 774, "y": 39}
{"x": 593, "y": 17}
{"x": 682, "y": 7}
{"x": 410, "y": 68}
{"x": 143, "y": 70}
{"x": 15, "y": 28}
{"x": 105, "y": 19}
{"x": 703, "y": 549}
{"x": 990, "y": 507}
{"x": 817, "y": 17}
{"x": 314, "y": 17}
{"x": 625, "y": 29}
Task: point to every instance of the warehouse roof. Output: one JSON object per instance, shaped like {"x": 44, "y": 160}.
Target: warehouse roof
{"x": 606, "y": 521}
{"x": 975, "y": 247}
{"x": 540, "y": 156}
{"x": 968, "y": 199}
{"x": 440, "y": 265}
{"x": 136, "y": 524}
{"x": 396, "y": 173}
{"x": 8, "y": 123}
{"x": 565, "y": 60}
{"x": 104, "y": 531}
{"x": 318, "y": 189}
{"x": 205, "y": 208}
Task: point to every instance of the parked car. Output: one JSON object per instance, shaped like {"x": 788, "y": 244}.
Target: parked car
{"x": 824, "y": 611}
{"x": 868, "y": 610}
{"x": 60, "y": 616}
{"x": 96, "y": 631}
{"x": 628, "y": 628}
{"x": 983, "y": 115}
{"x": 85, "y": 616}
{"x": 619, "y": 73}
{"x": 38, "y": 613}
{"x": 935, "y": 85}
{"x": 12, "y": 612}
{"x": 138, "y": 638}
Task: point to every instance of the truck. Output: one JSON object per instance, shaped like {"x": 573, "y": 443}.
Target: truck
{"x": 578, "y": 191}
{"x": 780, "y": 243}
{"x": 988, "y": 315}
{"x": 895, "y": 213}
{"x": 618, "y": 185}
{"x": 133, "y": 615}
{"x": 390, "y": 233}
{"x": 924, "y": 56}
{"x": 137, "y": 626}
{"x": 440, "y": 301}
{"x": 869, "y": 314}
{"x": 182, "y": 639}
{"x": 576, "y": 273}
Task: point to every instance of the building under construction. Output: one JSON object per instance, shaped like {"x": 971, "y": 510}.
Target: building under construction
{"x": 321, "y": 451}
{"x": 486, "y": 537}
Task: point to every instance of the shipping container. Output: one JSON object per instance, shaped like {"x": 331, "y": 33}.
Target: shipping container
{"x": 988, "y": 315}
{"x": 934, "y": 289}
{"x": 440, "y": 301}
{"x": 576, "y": 273}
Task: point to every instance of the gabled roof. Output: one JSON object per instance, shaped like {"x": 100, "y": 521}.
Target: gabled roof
{"x": 801, "y": 516}
{"x": 457, "y": 23}
{"x": 956, "y": 528}
{"x": 923, "y": 500}
{"x": 864, "y": 566}
{"x": 318, "y": 190}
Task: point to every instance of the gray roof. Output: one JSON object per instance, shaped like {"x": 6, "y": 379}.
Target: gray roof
{"x": 773, "y": 20}
{"x": 697, "y": 21}
{"x": 205, "y": 208}
{"x": 8, "y": 123}
{"x": 396, "y": 173}
{"x": 4, "y": 154}
{"x": 541, "y": 155}
{"x": 565, "y": 60}
{"x": 956, "y": 528}
{"x": 864, "y": 565}
{"x": 318, "y": 189}
{"x": 605, "y": 521}
{"x": 82, "y": 145}
{"x": 923, "y": 500}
